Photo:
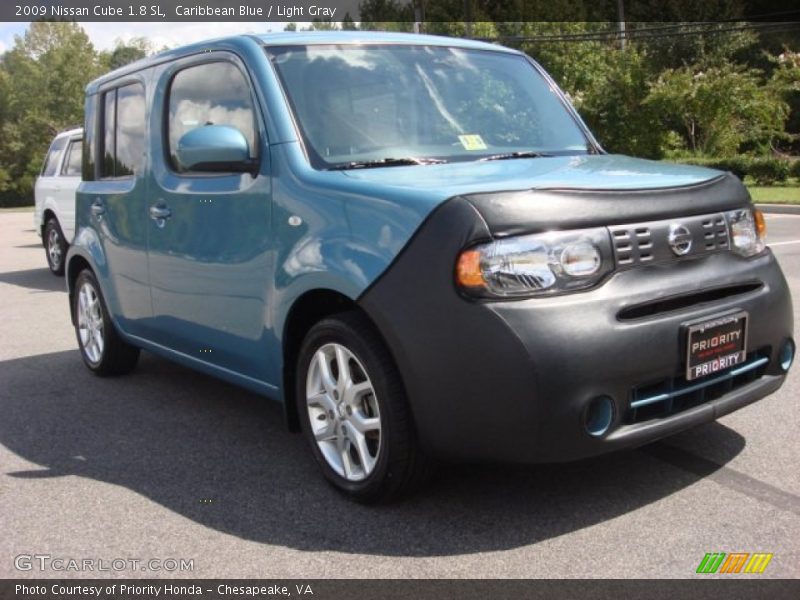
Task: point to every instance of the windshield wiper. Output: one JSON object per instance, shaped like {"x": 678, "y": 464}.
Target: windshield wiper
{"x": 387, "y": 162}
{"x": 519, "y": 154}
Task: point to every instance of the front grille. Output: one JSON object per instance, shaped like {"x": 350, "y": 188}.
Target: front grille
{"x": 632, "y": 245}
{"x": 715, "y": 233}
{"x": 681, "y": 301}
{"x": 639, "y": 244}
{"x": 673, "y": 395}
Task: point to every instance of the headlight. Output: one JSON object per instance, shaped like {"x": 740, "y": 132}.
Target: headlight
{"x": 748, "y": 231}
{"x": 548, "y": 263}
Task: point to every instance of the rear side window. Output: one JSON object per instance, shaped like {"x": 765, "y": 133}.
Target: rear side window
{"x": 210, "y": 94}
{"x": 123, "y": 131}
{"x": 53, "y": 156}
{"x": 72, "y": 163}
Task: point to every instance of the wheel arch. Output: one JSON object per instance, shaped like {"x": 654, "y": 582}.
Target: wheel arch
{"x": 75, "y": 265}
{"x": 307, "y": 310}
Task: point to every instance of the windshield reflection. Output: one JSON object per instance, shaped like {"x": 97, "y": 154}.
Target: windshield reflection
{"x": 356, "y": 104}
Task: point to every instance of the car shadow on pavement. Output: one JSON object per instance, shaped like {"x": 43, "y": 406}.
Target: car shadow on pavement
{"x": 221, "y": 457}
{"x": 35, "y": 279}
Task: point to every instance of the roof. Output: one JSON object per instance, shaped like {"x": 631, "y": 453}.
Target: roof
{"x": 287, "y": 38}
{"x": 70, "y": 132}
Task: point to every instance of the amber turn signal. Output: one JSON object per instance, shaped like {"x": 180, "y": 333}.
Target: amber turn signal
{"x": 761, "y": 224}
{"x": 468, "y": 269}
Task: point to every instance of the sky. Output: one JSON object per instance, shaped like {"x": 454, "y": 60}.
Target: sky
{"x": 104, "y": 35}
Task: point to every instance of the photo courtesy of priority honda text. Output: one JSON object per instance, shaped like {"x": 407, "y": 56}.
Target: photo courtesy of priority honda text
{"x": 416, "y": 246}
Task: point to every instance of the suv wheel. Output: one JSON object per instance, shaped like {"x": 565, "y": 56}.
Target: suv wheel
{"x": 102, "y": 349}
{"x": 55, "y": 246}
{"x": 354, "y": 412}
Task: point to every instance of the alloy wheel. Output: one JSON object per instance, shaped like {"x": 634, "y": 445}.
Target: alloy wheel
{"x": 343, "y": 412}
{"x": 90, "y": 322}
{"x": 54, "y": 250}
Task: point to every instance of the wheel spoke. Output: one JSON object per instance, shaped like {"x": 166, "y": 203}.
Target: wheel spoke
{"x": 347, "y": 462}
{"x": 98, "y": 341}
{"x": 323, "y": 401}
{"x": 343, "y": 364}
{"x": 360, "y": 444}
{"x": 83, "y": 301}
{"x": 327, "y": 432}
{"x": 325, "y": 375}
{"x": 364, "y": 424}
{"x": 330, "y": 450}
{"x": 354, "y": 391}
{"x": 90, "y": 348}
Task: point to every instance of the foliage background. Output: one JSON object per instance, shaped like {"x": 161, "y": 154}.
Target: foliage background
{"x": 724, "y": 90}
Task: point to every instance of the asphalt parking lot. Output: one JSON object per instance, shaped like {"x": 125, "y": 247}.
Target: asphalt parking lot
{"x": 170, "y": 464}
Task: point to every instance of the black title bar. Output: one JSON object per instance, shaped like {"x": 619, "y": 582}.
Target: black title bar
{"x": 409, "y": 11}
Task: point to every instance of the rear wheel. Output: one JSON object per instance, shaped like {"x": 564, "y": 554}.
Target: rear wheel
{"x": 103, "y": 350}
{"x": 55, "y": 246}
{"x": 354, "y": 412}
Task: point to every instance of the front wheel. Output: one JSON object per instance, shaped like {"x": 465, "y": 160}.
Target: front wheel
{"x": 103, "y": 350}
{"x": 55, "y": 246}
{"x": 354, "y": 412}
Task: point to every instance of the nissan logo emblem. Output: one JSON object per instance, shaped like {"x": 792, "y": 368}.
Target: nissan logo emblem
{"x": 680, "y": 239}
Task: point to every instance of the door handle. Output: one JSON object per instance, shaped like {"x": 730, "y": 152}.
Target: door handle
{"x": 159, "y": 213}
{"x": 98, "y": 208}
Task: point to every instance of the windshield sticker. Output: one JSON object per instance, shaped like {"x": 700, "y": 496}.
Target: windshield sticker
{"x": 472, "y": 142}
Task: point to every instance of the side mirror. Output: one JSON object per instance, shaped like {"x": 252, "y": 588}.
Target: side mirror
{"x": 214, "y": 148}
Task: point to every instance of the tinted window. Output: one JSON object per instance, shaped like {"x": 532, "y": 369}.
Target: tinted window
{"x": 72, "y": 164}
{"x": 123, "y": 131}
{"x": 109, "y": 127}
{"x": 54, "y": 154}
{"x": 210, "y": 94}
{"x": 130, "y": 129}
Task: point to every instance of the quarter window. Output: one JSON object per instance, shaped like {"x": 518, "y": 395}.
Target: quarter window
{"x": 51, "y": 162}
{"x": 210, "y": 94}
{"x": 72, "y": 164}
{"x": 123, "y": 131}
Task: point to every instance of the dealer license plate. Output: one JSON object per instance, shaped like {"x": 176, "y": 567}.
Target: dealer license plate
{"x": 716, "y": 345}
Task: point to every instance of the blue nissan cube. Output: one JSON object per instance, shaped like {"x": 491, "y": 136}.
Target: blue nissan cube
{"x": 416, "y": 246}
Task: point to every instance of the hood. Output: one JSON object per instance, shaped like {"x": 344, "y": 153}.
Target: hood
{"x": 539, "y": 194}
{"x": 589, "y": 172}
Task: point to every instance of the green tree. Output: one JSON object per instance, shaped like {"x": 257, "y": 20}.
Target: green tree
{"x": 719, "y": 111}
{"x": 126, "y": 52}
{"x": 785, "y": 83}
{"x": 42, "y": 80}
{"x": 348, "y": 24}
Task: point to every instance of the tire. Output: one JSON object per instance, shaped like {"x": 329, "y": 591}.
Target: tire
{"x": 363, "y": 435}
{"x": 102, "y": 349}
{"x": 55, "y": 246}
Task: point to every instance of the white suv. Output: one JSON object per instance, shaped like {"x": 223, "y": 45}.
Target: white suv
{"x": 54, "y": 214}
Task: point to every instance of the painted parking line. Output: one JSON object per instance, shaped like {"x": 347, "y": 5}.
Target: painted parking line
{"x": 784, "y": 243}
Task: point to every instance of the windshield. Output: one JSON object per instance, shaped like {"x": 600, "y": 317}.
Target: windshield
{"x": 361, "y": 105}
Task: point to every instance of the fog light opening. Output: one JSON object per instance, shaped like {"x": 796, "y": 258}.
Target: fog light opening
{"x": 598, "y": 416}
{"x": 787, "y": 355}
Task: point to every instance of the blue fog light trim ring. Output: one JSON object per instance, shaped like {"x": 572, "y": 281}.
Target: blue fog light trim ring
{"x": 600, "y": 417}
{"x": 698, "y": 386}
{"x": 787, "y": 355}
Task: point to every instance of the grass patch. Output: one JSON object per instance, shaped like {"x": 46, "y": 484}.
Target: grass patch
{"x": 775, "y": 194}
